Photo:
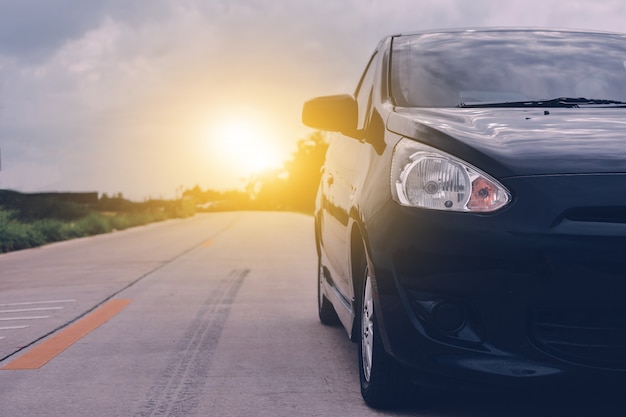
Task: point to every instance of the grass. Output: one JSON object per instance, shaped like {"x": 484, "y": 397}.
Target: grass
{"x": 30, "y": 222}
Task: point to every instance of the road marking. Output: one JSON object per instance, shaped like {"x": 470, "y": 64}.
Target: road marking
{"x": 49, "y": 349}
{"x": 24, "y": 310}
{"x": 13, "y": 327}
{"x": 207, "y": 244}
{"x": 24, "y": 318}
{"x": 2, "y": 337}
{"x": 28, "y": 303}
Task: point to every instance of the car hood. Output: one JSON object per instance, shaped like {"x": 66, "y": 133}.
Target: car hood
{"x": 521, "y": 142}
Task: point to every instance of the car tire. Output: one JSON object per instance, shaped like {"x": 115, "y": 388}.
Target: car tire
{"x": 325, "y": 309}
{"x": 384, "y": 383}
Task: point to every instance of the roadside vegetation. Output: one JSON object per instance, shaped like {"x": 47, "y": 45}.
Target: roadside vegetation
{"x": 30, "y": 220}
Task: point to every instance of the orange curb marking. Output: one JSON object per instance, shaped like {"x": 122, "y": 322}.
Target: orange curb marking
{"x": 45, "y": 352}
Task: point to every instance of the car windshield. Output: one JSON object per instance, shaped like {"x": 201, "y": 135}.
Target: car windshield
{"x": 519, "y": 68}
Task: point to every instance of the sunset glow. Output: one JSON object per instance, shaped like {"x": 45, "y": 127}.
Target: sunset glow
{"x": 244, "y": 145}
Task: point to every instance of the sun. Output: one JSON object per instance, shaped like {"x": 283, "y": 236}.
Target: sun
{"x": 245, "y": 145}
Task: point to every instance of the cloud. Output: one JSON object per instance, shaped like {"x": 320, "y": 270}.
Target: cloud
{"x": 32, "y": 30}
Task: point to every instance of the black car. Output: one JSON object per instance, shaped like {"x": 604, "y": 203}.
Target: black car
{"x": 471, "y": 215}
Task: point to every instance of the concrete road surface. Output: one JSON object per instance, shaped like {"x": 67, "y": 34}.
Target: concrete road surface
{"x": 210, "y": 316}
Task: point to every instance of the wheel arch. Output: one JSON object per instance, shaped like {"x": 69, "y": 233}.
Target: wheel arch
{"x": 358, "y": 256}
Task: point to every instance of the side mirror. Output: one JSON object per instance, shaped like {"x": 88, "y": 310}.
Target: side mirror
{"x": 336, "y": 113}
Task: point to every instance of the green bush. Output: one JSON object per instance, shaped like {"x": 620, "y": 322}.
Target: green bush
{"x": 53, "y": 230}
{"x": 15, "y": 235}
{"x": 93, "y": 224}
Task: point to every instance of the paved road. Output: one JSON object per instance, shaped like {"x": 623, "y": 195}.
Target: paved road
{"x": 221, "y": 321}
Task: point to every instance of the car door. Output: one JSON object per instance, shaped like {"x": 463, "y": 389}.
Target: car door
{"x": 338, "y": 190}
{"x": 337, "y": 194}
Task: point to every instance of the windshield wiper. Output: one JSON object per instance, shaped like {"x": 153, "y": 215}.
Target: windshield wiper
{"x": 567, "y": 102}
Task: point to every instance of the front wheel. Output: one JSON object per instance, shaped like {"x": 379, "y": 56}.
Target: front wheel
{"x": 383, "y": 381}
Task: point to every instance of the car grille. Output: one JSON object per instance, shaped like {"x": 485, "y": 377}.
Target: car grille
{"x": 591, "y": 337}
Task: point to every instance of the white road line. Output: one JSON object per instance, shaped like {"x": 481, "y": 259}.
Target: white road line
{"x": 23, "y": 310}
{"x": 13, "y": 327}
{"x": 24, "y": 318}
{"x": 28, "y": 303}
{"x": 2, "y": 337}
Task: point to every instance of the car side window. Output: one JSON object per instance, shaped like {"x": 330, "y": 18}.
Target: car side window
{"x": 364, "y": 91}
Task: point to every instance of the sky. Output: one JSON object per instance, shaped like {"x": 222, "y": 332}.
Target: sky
{"x": 149, "y": 97}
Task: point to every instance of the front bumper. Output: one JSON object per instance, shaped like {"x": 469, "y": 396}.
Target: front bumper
{"x": 525, "y": 294}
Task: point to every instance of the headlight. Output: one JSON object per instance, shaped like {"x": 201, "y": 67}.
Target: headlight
{"x": 425, "y": 177}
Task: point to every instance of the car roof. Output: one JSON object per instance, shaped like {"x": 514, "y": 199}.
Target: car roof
{"x": 507, "y": 29}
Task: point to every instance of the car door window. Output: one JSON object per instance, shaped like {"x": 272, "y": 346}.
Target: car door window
{"x": 364, "y": 93}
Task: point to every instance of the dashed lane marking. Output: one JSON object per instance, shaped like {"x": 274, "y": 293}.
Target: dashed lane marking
{"x": 28, "y": 307}
{"x": 50, "y": 348}
{"x": 28, "y": 303}
{"x": 25, "y": 310}
{"x": 24, "y": 318}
